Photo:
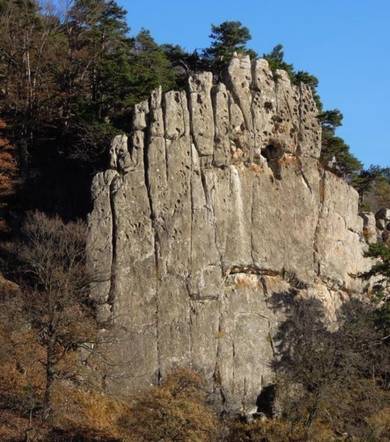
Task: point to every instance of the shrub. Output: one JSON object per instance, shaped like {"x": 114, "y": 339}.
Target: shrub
{"x": 175, "y": 411}
{"x": 84, "y": 414}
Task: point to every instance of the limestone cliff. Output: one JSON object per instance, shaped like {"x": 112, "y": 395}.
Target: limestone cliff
{"x": 214, "y": 203}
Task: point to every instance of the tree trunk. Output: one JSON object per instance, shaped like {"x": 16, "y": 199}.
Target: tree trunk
{"x": 50, "y": 375}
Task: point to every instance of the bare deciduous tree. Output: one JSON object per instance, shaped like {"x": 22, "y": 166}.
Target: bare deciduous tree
{"x": 51, "y": 259}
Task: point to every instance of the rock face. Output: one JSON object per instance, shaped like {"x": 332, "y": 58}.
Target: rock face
{"x": 215, "y": 203}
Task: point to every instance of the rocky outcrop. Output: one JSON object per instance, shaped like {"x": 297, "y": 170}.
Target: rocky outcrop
{"x": 214, "y": 204}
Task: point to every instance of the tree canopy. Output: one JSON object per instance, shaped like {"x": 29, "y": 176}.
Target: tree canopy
{"x": 69, "y": 81}
{"x": 226, "y": 39}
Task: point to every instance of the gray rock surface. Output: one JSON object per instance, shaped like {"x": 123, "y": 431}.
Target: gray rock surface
{"x": 216, "y": 204}
{"x": 369, "y": 227}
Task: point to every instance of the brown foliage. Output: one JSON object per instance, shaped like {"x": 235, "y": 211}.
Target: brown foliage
{"x": 22, "y": 377}
{"x": 279, "y": 430}
{"x": 49, "y": 259}
{"x": 8, "y": 163}
{"x": 379, "y": 424}
{"x": 9, "y": 175}
{"x": 12, "y": 427}
{"x": 175, "y": 411}
{"x": 84, "y": 413}
{"x": 266, "y": 431}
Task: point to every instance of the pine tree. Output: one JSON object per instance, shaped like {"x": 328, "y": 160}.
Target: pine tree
{"x": 100, "y": 46}
{"x": 227, "y": 38}
{"x": 149, "y": 67}
{"x": 334, "y": 147}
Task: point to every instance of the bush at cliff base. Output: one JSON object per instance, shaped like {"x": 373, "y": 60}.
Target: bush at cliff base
{"x": 175, "y": 411}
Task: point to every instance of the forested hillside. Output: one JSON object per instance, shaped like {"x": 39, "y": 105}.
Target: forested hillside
{"x": 69, "y": 78}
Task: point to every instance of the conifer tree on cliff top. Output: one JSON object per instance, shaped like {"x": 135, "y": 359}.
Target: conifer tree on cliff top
{"x": 227, "y": 38}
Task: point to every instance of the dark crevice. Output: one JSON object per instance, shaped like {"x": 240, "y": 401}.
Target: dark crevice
{"x": 205, "y": 190}
{"x": 252, "y": 218}
{"x": 251, "y": 269}
{"x": 156, "y": 242}
{"x": 273, "y": 153}
{"x": 163, "y": 108}
{"x": 114, "y": 240}
{"x": 317, "y": 229}
{"x": 147, "y": 141}
{"x": 190, "y": 113}
{"x": 266, "y": 401}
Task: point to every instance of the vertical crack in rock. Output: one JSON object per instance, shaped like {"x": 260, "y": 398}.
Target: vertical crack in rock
{"x": 233, "y": 364}
{"x": 305, "y": 180}
{"x": 149, "y": 192}
{"x": 156, "y": 242}
{"x": 156, "y": 158}
{"x": 316, "y": 259}
{"x": 192, "y": 201}
{"x": 216, "y": 242}
{"x": 252, "y": 219}
{"x": 164, "y": 111}
{"x": 217, "y": 373}
{"x": 114, "y": 187}
{"x": 201, "y": 112}
{"x": 188, "y": 125}
{"x": 254, "y": 89}
{"x": 239, "y": 77}
{"x": 222, "y": 125}
{"x": 205, "y": 190}
{"x": 192, "y": 310}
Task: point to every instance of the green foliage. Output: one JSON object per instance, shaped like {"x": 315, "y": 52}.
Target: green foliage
{"x": 101, "y": 46}
{"x": 334, "y": 147}
{"x": 312, "y": 82}
{"x": 331, "y": 119}
{"x": 331, "y": 381}
{"x": 227, "y": 38}
{"x": 183, "y": 63}
{"x": 149, "y": 68}
{"x": 276, "y": 61}
{"x": 382, "y": 267}
{"x": 373, "y": 185}
{"x": 85, "y": 72}
{"x": 69, "y": 83}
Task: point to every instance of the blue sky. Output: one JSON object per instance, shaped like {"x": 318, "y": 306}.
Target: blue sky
{"x": 345, "y": 43}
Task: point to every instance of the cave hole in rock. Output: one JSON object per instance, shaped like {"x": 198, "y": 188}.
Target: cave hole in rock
{"x": 273, "y": 153}
{"x": 268, "y": 106}
{"x": 266, "y": 401}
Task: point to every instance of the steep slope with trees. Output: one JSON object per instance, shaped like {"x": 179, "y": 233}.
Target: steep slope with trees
{"x": 69, "y": 80}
